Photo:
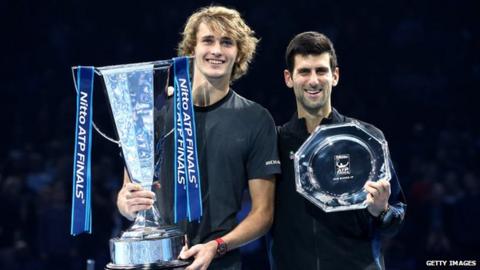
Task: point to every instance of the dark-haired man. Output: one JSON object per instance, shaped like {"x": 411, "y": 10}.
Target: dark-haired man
{"x": 304, "y": 236}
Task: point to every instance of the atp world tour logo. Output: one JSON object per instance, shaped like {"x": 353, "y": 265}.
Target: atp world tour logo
{"x": 342, "y": 167}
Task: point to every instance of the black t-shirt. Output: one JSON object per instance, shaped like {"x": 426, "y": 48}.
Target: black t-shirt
{"x": 236, "y": 141}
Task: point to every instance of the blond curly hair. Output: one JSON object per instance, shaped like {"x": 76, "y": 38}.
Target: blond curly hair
{"x": 222, "y": 20}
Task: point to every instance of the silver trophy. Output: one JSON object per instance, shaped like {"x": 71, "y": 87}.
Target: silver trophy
{"x": 334, "y": 163}
{"x": 150, "y": 243}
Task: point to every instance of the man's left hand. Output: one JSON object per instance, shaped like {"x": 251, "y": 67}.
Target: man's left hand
{"x": 377, "y": 197}
{"x": 203, "y": 254}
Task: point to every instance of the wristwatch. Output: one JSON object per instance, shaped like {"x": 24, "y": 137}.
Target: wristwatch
{"x": 221, "y": 247}
{"x": 383, "y": 213}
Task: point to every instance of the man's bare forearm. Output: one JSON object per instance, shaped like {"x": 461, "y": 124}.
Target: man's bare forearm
{"x": 259, "y": 219}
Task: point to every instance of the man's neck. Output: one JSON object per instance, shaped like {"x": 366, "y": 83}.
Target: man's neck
{"x": 208, "y": 92}
{"x": 313, "y": 119}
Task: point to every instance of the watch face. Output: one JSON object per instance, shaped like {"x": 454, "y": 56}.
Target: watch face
{"x": 334, "y": 163}
{"x": 222, "y": 248}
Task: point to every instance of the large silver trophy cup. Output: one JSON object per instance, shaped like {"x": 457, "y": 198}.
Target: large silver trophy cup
{"x": 150, "y": 243}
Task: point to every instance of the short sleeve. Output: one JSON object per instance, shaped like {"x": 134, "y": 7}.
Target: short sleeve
{"x": 263, "y": 158}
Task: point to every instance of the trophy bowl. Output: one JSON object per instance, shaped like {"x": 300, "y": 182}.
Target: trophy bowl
{"x": 335, "y": 162}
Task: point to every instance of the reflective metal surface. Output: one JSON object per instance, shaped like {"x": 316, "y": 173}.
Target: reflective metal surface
{"x": 334, "y": 163}
{"x": 164, "y": 248}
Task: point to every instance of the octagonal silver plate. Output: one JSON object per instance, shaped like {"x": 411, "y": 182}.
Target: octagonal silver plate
{"x": 333, "y": 164}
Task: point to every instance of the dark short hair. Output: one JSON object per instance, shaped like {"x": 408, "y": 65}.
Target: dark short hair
{"x": 309, "y": 43}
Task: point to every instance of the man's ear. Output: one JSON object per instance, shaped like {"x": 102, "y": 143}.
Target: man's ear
{"x": 288, "y": 78}
{"x": 336, "y": 76}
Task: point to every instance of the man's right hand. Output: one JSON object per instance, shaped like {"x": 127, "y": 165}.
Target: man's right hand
{"x": 133, "y": 198}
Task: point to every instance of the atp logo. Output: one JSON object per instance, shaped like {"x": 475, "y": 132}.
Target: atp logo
{"x": 342, "y": 164}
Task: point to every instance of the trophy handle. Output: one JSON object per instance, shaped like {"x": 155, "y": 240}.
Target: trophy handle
{"x": 117, "y": 142}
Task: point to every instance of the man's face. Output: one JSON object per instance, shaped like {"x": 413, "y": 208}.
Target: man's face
{"x": 215, "y": 54}
{"x": 312, "y": 81}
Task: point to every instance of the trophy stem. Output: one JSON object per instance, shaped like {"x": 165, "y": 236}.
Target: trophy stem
{"x": 147, "y": 225}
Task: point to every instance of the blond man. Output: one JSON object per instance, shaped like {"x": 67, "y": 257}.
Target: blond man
{"x": 236, "y": 143}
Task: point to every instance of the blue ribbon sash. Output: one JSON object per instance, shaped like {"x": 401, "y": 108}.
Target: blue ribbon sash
{"x": 188, "y": 196}
{"x": 81, "y": 220}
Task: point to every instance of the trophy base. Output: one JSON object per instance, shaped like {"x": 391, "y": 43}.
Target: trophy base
{"x": 158, "y": 250}
{"x": 171, "y": 265}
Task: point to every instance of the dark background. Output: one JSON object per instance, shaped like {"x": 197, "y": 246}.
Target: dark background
{"x": 412, "y": 68}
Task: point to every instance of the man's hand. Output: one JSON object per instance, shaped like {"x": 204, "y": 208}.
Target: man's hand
{"x": 377, "y": 197}
{"x": 203, "y": 254}
{"x": 133, "y": 198}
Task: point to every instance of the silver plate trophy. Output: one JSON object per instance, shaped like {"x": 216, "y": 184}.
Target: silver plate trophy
{"x": 334, "y": 163}
{"x": 150, "y": 243}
